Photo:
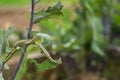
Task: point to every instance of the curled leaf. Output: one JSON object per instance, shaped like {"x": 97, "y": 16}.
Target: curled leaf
{"x": 46, "y": 65}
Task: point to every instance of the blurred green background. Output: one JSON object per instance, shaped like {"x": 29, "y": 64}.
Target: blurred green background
{"x": 14, "y": 2}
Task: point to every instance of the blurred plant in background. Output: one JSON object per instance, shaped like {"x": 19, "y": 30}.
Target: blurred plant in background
{"x": 85, "y": 34}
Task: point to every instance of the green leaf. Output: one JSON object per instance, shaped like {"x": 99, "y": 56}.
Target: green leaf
{"x": 97, "y": 30}
{"x": 2, "y": 34}
{"x": 45, "y": 39}
{"x": 1, "y": 77}
{"x": 56, "y": 8}
{"x": 97, "y": 49}
{"x": 50, "y": 12}
{"x": 22, "y": 70}
{"x": 7, "y": 49}
{"x": 46, "y": 65}
{"x": 40, "y": 16}
{"x": 41, "y": 35}
{"x": 6, "y": 67}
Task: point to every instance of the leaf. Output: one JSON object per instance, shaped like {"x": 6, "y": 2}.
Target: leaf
{"x": 39, "y": 17}
{"x": 89, "y": 8}
{"x": 3, "y": 39}
{"x": 6, "y": 67}
{"x": 97, "y": 30}
{"x": 50, "y": 12}
{"x": 7, "y": 49}
{"x": 1, "y": 77}
{"x": 56, "y": 8}
{"x": 22, "y": 70}
{"x": 2, "y": 34}
{"x": 41, "y": 35}
{"x": 97, "y": 49}
{"x": 46, "y": 65}
{"x": 45, "y": 39}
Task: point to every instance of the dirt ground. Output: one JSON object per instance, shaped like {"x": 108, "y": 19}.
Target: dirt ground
{"x": 18, "y": 17}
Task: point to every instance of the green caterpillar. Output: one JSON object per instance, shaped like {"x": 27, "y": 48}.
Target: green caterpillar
{"x": 36, "y": 37}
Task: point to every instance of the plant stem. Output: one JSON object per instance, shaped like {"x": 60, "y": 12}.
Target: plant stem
{"x": 28, "y": 37}
{"x": 2, "y": 48}
{"x": 31, "y": 20}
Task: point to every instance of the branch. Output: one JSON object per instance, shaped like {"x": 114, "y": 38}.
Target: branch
{"x": 28, "y": 37}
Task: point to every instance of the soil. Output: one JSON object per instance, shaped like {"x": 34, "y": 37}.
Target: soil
{"x": 18, "y": 17}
